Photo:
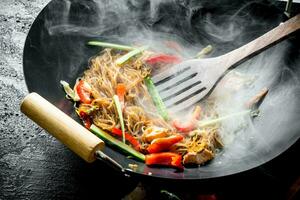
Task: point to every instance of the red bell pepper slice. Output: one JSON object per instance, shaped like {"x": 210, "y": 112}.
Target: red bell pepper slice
{"x": 164, "y": 158}
{"x": 163, "y": 144}
{"x": 183, "y": 127}
{"x": 134, "y": 142}
{"x": 163, "y": 58}
{"x": 86, "y": 119}
{"x": 191, "y": 124}
{"x": 83, "y": 90}
{"x": 121, "y": 91}
{"x": 84, "y": 111}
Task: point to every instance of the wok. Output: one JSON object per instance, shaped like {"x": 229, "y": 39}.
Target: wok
{"x": 55, "y": 50}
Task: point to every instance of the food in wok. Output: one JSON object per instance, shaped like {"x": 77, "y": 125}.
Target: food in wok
{"x": 117, "y": 100}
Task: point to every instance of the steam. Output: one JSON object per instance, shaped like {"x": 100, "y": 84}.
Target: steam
{"x": 226, "y": 32}
{"x": 276, "y": 126}
{"x": 154, "y": 22}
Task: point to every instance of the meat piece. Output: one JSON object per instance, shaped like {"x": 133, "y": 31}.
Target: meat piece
{"x": 202, "y": 148}
{"x": 198, "y": 158}
{"x": 217, "y": 141}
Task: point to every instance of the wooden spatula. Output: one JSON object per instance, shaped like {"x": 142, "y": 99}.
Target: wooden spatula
{"x": 188, "y": 82}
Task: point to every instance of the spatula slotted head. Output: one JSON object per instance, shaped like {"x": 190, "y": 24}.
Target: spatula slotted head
{"x": 185, "y": 84}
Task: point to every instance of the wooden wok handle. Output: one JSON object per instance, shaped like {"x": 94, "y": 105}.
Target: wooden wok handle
{"x": 64, "y": 128}
{"x": 262, "y": 42}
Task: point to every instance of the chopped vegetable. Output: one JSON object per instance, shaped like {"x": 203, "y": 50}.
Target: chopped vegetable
{"x": 113, "y": 141}
{"x": 154, "y": 132}
{"x": 191, "y": 124}
{"x": 111, "y": 45}
{"x": 68, "y": 90}
{"x": 86, "y": 119}
{"x": 121, "y": 91}
{"x": 86, "y": 108}
{"x": 163, "y": 58}
{"x": 84, "y": 111}
{"x": 220, "y": 119}
{"x": 204, "y": 51}
{"x": 119, "y": 110}
{"x": 83, "y": 90}
{"x": 165, "y": 158}
{"x": 130, "y": 54}
{"x": 163, "y": 144}
{"x": 134, "y": 142}
{"x": 160, "y": 106}
{"x": 184, "y": 127}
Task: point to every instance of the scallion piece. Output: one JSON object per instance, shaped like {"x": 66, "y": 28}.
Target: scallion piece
{"x": 220, "y": 119}
{"x": 119, "y": 110}
{"x": 69, "y": 92}
{"x": 160, "y": 106}
{"x": 113, "y": 141}
{"x": 206, "y": 50}
{"x": 130, "y": 54}
{"x": 111, "y": 45}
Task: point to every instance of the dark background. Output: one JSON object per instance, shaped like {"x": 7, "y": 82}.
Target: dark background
{"x": 33, "y": 165}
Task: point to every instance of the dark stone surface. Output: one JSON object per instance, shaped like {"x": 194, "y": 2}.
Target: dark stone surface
{"x": 33, "y": 165}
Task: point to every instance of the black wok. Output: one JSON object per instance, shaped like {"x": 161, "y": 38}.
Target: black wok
{"x": 55, "y": 50}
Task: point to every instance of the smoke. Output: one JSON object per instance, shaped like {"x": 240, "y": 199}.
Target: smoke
{"x": 193, "y": 25}
{"x": 276, "y": 126}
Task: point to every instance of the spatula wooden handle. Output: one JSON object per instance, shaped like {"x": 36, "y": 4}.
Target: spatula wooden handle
{"x": 262, "y": 42}
{"x": 64, "y": 128}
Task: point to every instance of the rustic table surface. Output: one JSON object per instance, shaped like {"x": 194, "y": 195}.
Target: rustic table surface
{"x": 34, "y": 165}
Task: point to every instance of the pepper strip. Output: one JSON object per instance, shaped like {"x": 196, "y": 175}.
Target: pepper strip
{"x": 84, "y": 111}
{"x": 163, "y": 144}
{"x": 85, "y": 119}
{"x": 83, "y": 90}
{"x": 134, "y": 142}
{"x": 165, "y": 158}
{"x": 191, "y": 124}
{"x": 163, "y": 58}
